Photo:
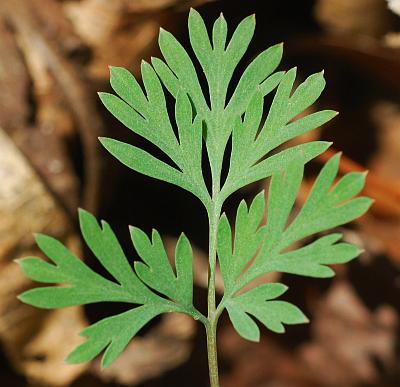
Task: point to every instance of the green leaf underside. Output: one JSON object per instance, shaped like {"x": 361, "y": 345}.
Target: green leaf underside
{"x": 256, "y": 303}
{"x": 113, "y": 334}
{"x": 218, "y": 117}
{"x": 256, "y": 246}
{"x": 81, "y": 285}
{"x": 156, "y": 271}
{"x": 260, "y": 248}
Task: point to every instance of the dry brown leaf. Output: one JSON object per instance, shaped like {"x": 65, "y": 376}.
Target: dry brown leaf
{"x": 367, "y": 17}
{"x": 347, "y": 337}
{"x": 120, "y": 32}
{"x": 386, "y": 159}
{"x": 26, "y": 207}
{"x": 45, "y": 353}
{"x": 264, "y": 364}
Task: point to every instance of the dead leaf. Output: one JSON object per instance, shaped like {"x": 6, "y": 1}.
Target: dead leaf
{"x": 347, "y": 337}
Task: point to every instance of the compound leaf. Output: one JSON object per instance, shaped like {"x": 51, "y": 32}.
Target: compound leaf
{"x": 80, "y": 285}
{"x": 255, "y": 247}
{"x": 105, "y": 246}
{"x": 328, "y": 205}
{"x": 216, "y": 117}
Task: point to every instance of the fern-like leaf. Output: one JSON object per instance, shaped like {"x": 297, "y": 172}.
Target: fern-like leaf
{"x": 218, "y": 117}
{"x": 259, "y": 248}
{"x": 207, "y": 114}
{"x": 81, "y": 285}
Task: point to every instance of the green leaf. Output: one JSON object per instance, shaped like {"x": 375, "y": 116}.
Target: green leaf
{"x": 105, "y": 246}
{"x": 190, "y": 139}
{"x": 248, "y": 237}
{"x": 273, "y": 314}
{"x": 181, "y": 65}
{"x": 286, "y": 105}
{"x": 325, "y": 208}
{"x": 240, "y": 40}
{"x": 281, "y": 199}
{"x": 328, "y": 205}
{"x": 242, "y": 322}
{"x": 215, "y": 117}
{"x": 255, "y": 74}
{"x": 147, "y": 117}
{"x": 113, "y": 334}
{"x": 168, "y": 78}
{"x": 299, "y": 127}
{"x": 219, "y": 33}
{"x": 300, "y": 154}
{"x": 81, "y": 285}
{"x": 212, "y": 112}
{"x": 128, "y": 88}
{"x": 311, "y": 260}
{"x": 156, "y": 271}
{"x": 259, "y": 249}
{"x": 143, "y": 162}
{"x": 199, "y": 38}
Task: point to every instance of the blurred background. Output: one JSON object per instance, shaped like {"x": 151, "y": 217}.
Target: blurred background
{"x": 54, "y": 56}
